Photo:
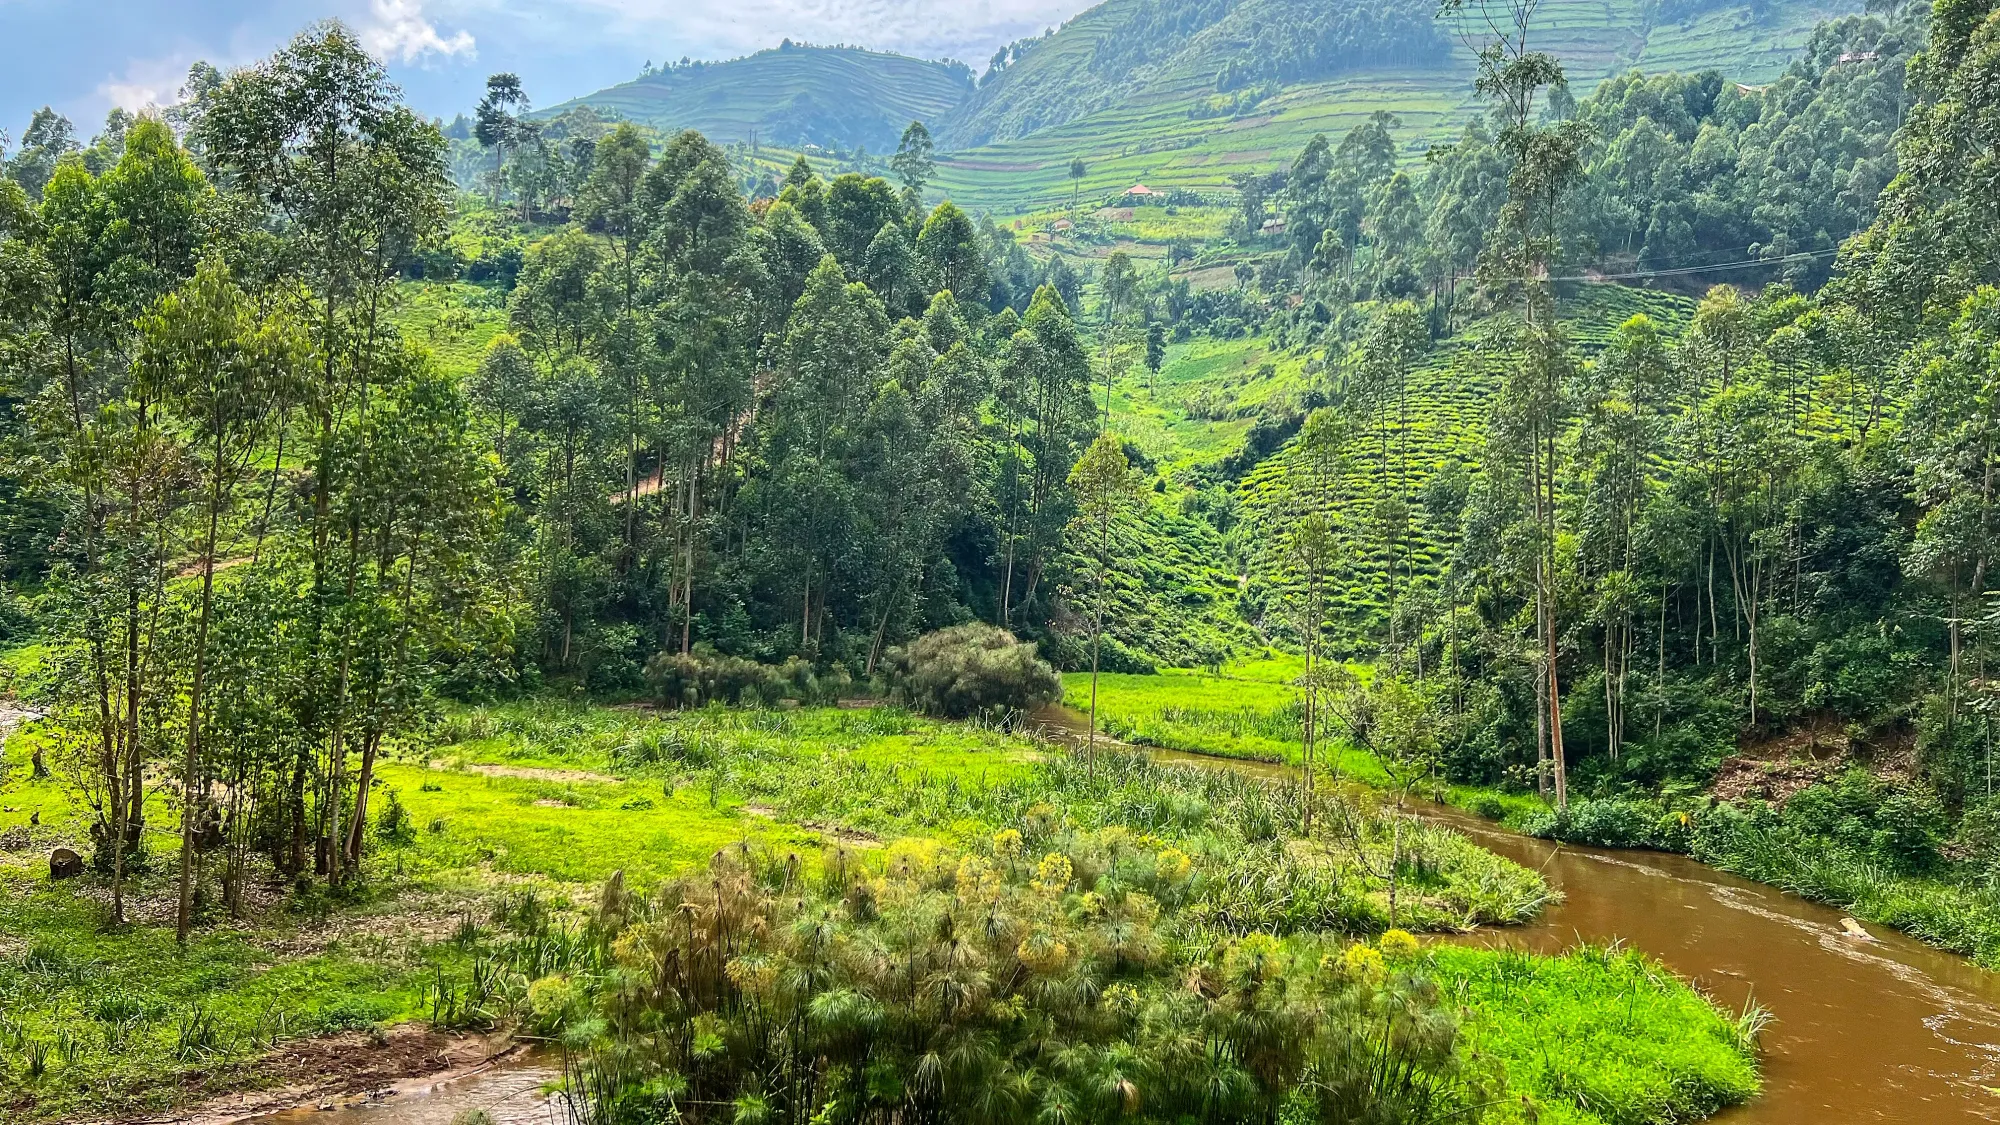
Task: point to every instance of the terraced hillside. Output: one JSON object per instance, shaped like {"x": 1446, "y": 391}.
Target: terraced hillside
{"x": 1171, "y": 127}
{"x": 791, "y": 96}
{"x": 1449, "y": 399}
{"x": 1124, "y": 52}
{"x": 1192, "y": 424}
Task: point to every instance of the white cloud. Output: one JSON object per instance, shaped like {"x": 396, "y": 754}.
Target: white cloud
{"x": 397, "y": 30}
{"x": 145, "y": 83}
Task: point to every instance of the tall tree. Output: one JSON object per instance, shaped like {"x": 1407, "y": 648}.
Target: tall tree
{"x": 914, "y": 162}
{"x": 500, "y": 122}
{"x": 209, "y": 357}
{"x": 1105, "y": 488}
{"x": 355, "y": 182}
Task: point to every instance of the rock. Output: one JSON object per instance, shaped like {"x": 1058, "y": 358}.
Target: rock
{"x": 15, "y": 839}
{"x": 65, "y": 864}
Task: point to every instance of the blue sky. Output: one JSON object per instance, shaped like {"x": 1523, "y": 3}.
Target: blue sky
{"x": 84, "y": 56}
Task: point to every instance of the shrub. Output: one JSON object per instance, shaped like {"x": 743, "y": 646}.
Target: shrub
{"x": 972, "y": 669}
{"x": 706, "y": 676}
{"x": 1606, "y": 823}
{"x": 394, "y": 825}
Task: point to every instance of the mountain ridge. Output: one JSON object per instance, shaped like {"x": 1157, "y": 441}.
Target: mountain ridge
{"x": 790, "y": 96}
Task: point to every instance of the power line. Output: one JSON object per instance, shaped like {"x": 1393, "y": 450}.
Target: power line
{"x": 1745, "y": 263}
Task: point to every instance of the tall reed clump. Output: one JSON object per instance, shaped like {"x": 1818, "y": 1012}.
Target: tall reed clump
{"x": 1260, "y": 861}
{"x": 922, "y": 983}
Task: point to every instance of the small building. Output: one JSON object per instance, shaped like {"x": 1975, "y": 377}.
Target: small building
{"x": 1142, "y": 193}
{"x": 1274, "y": 226}
{"x": 1064, "y": 224}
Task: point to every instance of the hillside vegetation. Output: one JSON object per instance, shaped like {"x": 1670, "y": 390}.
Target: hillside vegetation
{"x": 789, "y": 97}
{"x": 1142, "y": 98}
{"x": 488, "y": 569}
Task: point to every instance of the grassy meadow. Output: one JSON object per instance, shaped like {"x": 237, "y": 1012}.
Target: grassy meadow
{"x": 541, "y": 802}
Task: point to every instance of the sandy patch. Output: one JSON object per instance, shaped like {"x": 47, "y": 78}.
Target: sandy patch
{"x": 529, "y": 773}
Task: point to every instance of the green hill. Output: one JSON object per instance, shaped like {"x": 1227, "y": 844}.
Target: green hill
{"x": 791, "y": 96}
{"x": 1135, "y": 51}
{"x": 1174, "y": 119}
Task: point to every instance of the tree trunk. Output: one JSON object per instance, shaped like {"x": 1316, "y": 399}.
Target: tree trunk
{"x": 190, "y": 809}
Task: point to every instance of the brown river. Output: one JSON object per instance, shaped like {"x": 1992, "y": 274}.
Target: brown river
{"x": 1865, "y": 1030}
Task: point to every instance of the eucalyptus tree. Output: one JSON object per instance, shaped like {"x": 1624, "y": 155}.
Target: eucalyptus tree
{"x": 1953, "y": 433}
{"x": 500, "y": 123}
{"x": 1619, "y": 445}
{"x": 950, "y": 256}
{"x": 105, "y": 249}
{"x": 890, "y": 269}
{"x": 351, "y": 182}
{"x": 1395, "y": 342}
{"x": 1044, "y": 397}
{"x": 709, "y": 293}
{"x": 857, "y": 208}
{"x": 430, "y": 512}
{"x": 1105, "y": 489}
{"x": 48, "y": 138}
{"x": 611, "y": 204}
{"x": 914, "y": 162}
{"x": 918, "y": 471}
{"x": 810, "y": 428}
{"x": 218, "y": 369}
{"x": 1545, "y": 161}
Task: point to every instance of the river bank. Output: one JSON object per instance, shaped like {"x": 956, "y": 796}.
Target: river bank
{"x": 1862, "y": 847}
{"x": 1876, "y": 1027}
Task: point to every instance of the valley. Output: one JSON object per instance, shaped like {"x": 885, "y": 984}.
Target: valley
{"x": 1242, "y": 561}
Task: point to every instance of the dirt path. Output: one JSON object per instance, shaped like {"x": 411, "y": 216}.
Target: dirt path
{"x": 531, "y": 773}
{"x": 343, "y": 1070}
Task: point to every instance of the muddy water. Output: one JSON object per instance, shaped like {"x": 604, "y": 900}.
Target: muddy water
{"x": 1881, "y": 1029}
{"x": 509, "y": 1092}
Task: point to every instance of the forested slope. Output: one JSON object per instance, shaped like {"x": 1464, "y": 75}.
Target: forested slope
{"x": 789, "y": 97}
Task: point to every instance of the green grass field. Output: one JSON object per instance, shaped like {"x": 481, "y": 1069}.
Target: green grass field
{"x": 552, "y": 798}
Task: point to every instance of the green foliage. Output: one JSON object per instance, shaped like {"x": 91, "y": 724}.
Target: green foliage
{"x": 789, "y": 97}
{"x": 1001, "y": 957}
{"x": 1637, "y": 1048}
{"x": 705, "y": 676}
{"x": 971, "y": 670}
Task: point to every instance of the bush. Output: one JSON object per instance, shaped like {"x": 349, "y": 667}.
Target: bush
{"x": 1606, "y": 823}
{"x": 684, "y": 680}
{"x": 706, "y": 676}
{"x": 394, "y": 825}
{"x": 972, "y": 669}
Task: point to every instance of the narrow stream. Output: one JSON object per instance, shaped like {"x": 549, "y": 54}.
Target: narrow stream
{"x": 1883, "y": 1029}
{"x": 509, "y": 1092}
